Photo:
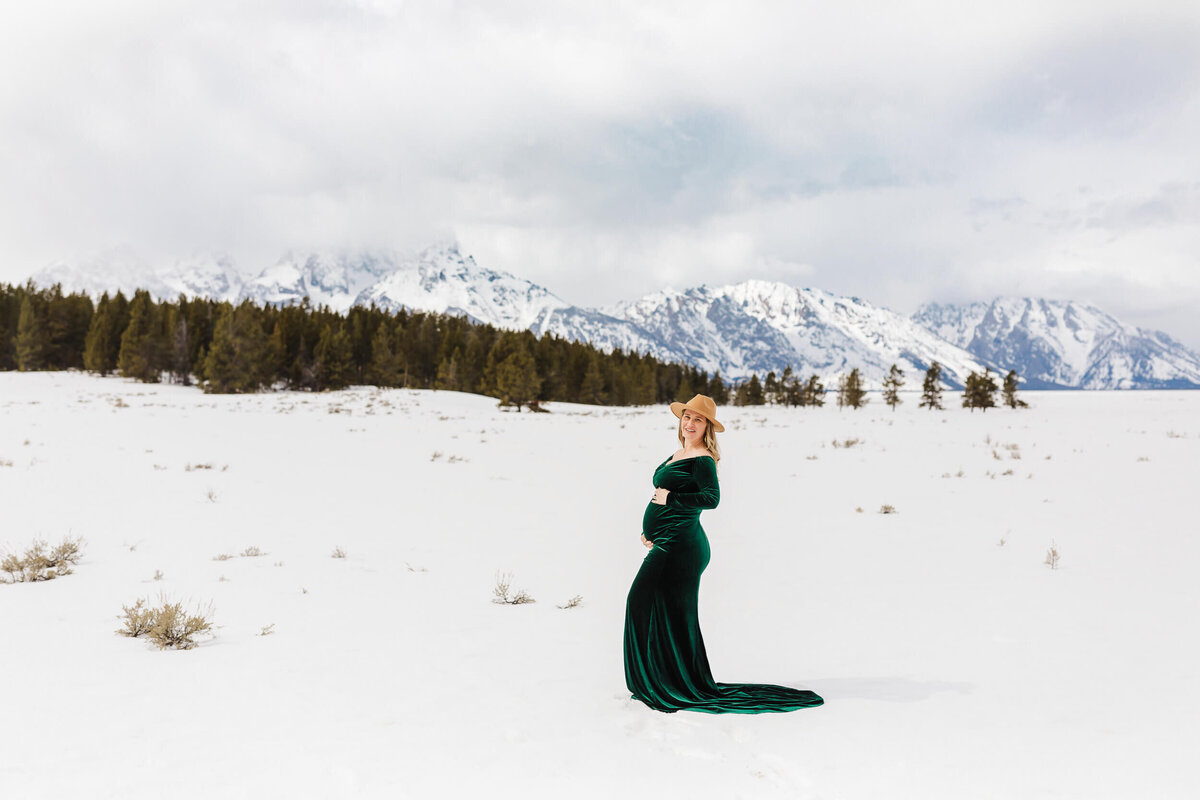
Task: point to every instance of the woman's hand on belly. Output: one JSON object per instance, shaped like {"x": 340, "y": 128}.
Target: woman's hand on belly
{"x": 646, "y": 541}
{"x": 660, "y": 497}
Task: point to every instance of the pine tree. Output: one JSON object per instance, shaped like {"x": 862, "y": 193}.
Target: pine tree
{"x": 181, "y": 347}
{"x": 750, "y": 393}
{"x": 980, "y": 391}
{"x": 591, "y": 389}
{"x": 31, "y": 337}
{"x": 717, "y": 390}
{"x": 237, "y": 359}
{"x": 988, "y": 390}
{"x": 771, "y": 388}
{"x": 891, "y": 386}
{"x": 137, "y": 356}
{"x": 789, "y": 387}
{"x": 684, "y": 393}
{"x": 518, "y": 380}
{"x": 1011, "y": 382}
{"x": 850, "y": 390}
{"x": 384, "y": 369}
{"x": 449, "y": 372}
{"x": 931, "y": 390}
{"x": 332, "y": 359}
{"x": 813, "y": 393}
{"x": 96, "y": 356}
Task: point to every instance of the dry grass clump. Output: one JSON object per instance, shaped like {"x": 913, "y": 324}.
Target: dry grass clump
{"x": 574, "y": 602}
{"x": 338, "y": 553}
{"x": 846, "y": 443}
{"x": 503, "y": 593}
{"x": 886, "y": 509}
{"x": 169, "y": 626}
{"x": 41, "y": 563}
{"x": 252, "y": 552}
{"x": 1052, "y": 556}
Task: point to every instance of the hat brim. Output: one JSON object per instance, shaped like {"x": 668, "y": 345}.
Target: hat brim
{"x": 677, "y": 409}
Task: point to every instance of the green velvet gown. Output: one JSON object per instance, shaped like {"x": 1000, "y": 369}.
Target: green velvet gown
{"x": 666, "y": 666}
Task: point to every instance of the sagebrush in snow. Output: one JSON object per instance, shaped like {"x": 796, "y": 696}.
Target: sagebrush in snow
{"x": 137, "y": 619}
{"x": 41, "y": 563}
{"x": 1052, "y": 556}
{"x": 503, "y": 593}
{"x": 168, "y": 625}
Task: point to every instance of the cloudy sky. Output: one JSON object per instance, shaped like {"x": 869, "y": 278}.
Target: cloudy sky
{"x": 902, "y": 152}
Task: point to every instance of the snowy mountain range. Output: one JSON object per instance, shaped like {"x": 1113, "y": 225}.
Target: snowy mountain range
{"x": 1064, "y": 344}
{"x": 738, "y": 330}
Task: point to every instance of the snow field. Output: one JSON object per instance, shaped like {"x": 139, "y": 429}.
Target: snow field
{"x": 952, "y": 665}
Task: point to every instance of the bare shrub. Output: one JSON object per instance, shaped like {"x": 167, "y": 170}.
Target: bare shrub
{"x": 267, "y": 630}
{"x": 169, "y": 625}
{"x": 847, "y": 443}
{"x": 137, "y": 619}
{"x": 41, "y": 562}
{"x": 886, "y": 509}
{"x": 175, "y": 628}
{"x": 252, "y": 552}
{"x": 211, "y": 495}
{"x": 6, "y": 462}
{"x": 191, "y": 467}
{"x": 222, "y": 557}
{"x": 503, "y": 593}
{"x": 574, "y": 602}
{"x": 338, "y": 553}
{"x": 158, "y": 576}
{"x": 1052, "y": 556}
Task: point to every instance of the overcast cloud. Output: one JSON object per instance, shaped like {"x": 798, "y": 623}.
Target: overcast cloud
{"x": 898, "y": 151}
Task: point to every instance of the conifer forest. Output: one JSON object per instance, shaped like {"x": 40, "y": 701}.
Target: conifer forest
{"x": 249, "y": 347}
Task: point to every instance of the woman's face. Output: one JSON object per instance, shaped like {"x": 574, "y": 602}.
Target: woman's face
{"x": 692, "y": 426}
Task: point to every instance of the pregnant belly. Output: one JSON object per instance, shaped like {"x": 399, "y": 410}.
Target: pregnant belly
{"x": 661, "y": 518}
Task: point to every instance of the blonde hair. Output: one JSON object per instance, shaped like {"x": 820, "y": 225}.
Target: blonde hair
{"x": 710, "y": 437}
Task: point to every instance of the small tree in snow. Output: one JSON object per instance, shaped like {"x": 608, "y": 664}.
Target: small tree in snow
{"x": 891, "y": 386}
{"x": 931, "y": 390}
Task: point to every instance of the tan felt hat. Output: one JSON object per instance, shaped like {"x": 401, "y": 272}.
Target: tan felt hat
{"x": 702, "y": 405}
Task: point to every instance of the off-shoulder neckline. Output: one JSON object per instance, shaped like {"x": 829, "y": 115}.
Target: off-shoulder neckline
{"x": 689, "y": 458}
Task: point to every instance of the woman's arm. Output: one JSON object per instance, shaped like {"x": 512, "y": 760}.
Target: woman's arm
{"x": 709, "y": 493}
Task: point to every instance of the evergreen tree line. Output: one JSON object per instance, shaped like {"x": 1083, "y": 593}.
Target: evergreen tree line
{"x": 980, "y": 391}
{"x": 247, "y": 347}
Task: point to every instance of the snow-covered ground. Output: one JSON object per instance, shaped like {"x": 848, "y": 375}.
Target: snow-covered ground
{"x": 953, "y": 661}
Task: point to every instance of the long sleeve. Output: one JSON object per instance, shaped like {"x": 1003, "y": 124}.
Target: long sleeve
{"x": 709, "y": 492}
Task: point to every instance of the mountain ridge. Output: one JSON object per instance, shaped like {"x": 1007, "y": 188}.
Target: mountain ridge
{"x": 752, "y": 327}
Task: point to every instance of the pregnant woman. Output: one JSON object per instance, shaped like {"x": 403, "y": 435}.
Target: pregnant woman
{"x": 665, "y": 663}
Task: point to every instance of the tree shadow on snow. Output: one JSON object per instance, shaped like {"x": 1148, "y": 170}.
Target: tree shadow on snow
{"x": 891, "y": 690}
